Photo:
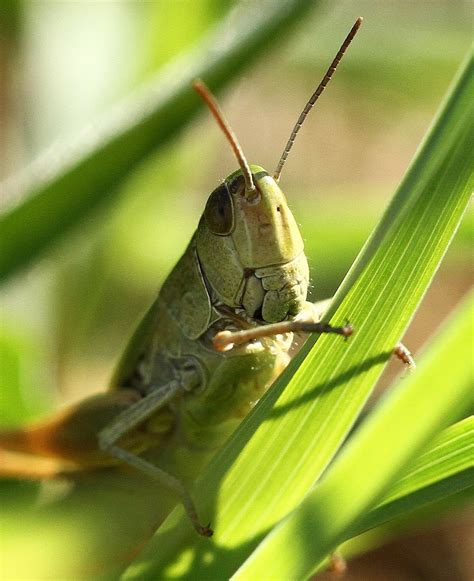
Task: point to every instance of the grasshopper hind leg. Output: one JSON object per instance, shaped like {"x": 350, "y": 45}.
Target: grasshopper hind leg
{"x": 165, "y": 479}
{"x": 130, "y": 419}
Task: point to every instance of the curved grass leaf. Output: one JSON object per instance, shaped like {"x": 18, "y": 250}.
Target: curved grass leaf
{"x": 73, "y": 178}
{"x": 446, "y": 467}
{"x": 392, "y": 435}
{"x": 439, "y": 482}
{"x": 284, "y": 446}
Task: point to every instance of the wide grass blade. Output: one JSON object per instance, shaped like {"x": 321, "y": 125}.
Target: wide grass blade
{"x": 73, "y": 178}
{"x": 445, "y": 468}
{"x": 439, "y": 482}
{"x": 392, "y": 435}
{"x": 280, "y": 450}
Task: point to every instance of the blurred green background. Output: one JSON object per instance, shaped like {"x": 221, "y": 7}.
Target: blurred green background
{"x": 62, "y": 64}
{"x": 66, "y": 319}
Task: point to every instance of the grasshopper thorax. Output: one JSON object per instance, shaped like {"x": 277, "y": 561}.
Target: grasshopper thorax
{"x": 251, "y": 250}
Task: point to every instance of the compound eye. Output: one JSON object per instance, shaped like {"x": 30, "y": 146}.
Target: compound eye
{"x": 237, "y": 185}
{"x": 219, "y": 212}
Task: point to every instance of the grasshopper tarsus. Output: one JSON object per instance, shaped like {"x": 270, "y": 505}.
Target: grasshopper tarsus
{"x": 337, "y": 565}
{"x": 205, "y": 531}
{"x": 346, "y": 331}
{"x": 405, "y": 356}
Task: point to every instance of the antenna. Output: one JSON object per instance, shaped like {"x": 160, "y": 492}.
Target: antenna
{"x": 315, "y": 96}
{"x": 200, "y": 87}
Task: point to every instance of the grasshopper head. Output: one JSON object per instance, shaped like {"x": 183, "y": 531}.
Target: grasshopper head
{"x": 248, "y": 242}
{"x": 251, "y": 250}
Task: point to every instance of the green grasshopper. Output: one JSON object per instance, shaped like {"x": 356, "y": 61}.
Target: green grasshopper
{"x": 212, "y": 343}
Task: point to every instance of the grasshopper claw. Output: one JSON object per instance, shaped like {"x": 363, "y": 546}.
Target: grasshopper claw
{"x": 205, "y": 531}
{"x": 347, "y": 330}
{"x": 402, "y": 353}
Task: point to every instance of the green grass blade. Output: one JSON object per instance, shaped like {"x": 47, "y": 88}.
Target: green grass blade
{"x": 443, "y": 483}
{"x": 281, "y": 450}
{"x": 66, "y": 184}
{"x": 382, "y": 447}
{"x": 441, "y": 480}
{"x": 451, "y": 120}
{"x": 445, "y": 468}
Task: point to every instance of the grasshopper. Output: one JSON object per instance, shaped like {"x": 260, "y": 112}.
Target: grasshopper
{"x": 214, "y": 340}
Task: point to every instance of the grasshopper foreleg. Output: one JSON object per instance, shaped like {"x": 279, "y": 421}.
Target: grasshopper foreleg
{"x": 130, "y": 419}
{"x": 225, "y": 340}
{"x": 309, "y": 321}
